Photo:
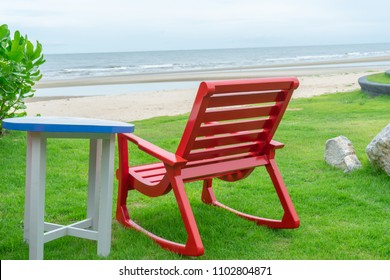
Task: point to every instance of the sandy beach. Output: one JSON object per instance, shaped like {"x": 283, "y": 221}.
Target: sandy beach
{"x": 315, "y": 79}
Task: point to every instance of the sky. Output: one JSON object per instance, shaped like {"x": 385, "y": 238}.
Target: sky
{"x": 81, "y": 26}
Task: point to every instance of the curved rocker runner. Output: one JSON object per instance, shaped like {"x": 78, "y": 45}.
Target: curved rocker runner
{"x": 228, "y": 134}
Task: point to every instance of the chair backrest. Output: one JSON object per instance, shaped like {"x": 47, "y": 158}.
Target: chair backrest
{"x": 235, "y": 119}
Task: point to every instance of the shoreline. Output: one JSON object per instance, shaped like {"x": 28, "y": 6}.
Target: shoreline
{"x": 146, "y": 104}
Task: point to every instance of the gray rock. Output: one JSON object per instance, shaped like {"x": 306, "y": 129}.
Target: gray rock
{"x": 339, "y": 152}
{"x": 378, "y": 150}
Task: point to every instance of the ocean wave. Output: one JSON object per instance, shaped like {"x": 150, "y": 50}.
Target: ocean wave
{"x": 305, "y": 58}
{"x": 107, "y": 64}
{"x": 153, "y": 66}
{"x": 94, "y": 69}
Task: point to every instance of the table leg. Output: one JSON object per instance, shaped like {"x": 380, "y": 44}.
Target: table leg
{"x": 106, "y": 189}
{"x": 35, "y": 194}
{"x": 27, "y": 211}
{"x": 95, "y": 155}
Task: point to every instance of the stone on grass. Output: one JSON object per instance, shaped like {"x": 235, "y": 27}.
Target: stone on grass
{"x": 378, "y": 150}
{"x": 339, "y": 152}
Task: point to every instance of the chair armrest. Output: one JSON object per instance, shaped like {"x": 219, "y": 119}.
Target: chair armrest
{"x": 276, "y": 145}
{"x": 155, "y": 151}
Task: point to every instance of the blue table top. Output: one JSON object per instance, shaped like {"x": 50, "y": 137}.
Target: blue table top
{"x": 66, "y": 124}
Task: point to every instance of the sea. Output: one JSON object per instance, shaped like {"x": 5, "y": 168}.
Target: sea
{"x": 92, "y": 65}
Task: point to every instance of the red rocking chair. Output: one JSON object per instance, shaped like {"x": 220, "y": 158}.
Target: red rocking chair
{"x": 228, "y": 134}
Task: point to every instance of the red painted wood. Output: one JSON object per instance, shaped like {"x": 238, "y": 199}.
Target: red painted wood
{"x": 252, "y": 85}
{"x": 223, "y": 151}
{"x": 151, "y": 173}
{"x": 223, "y": 114}
{"x": 229, "y": 133}
{"x": 227, "y": 139}
{"x": 232, "y": 127}
{"x": 245, "y": 98}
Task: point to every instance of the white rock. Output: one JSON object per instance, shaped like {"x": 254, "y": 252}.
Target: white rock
{"x": 378, "y": 150}
{"x": 339, "y": 152}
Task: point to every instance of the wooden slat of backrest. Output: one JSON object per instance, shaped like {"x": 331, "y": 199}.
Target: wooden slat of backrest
{"x": 245, "y": 98}
{"x": 250, "y": 85}
{"x": 223, "y": 114}
{"x": 231, "y": 127}
{"x": 219, "y": 159}
{"x": 216, "y": 168}
{"x": 233, "y": 138}
{"x": 222, "y": 151}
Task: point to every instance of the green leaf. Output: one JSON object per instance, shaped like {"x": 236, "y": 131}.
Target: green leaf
{"x": 40, "y": 61}
{"x": 17, "y": 36}
{"x": 16, "y": 52}
{"x": 38, "y": 51}
{"x": 4, "y": 32}
{"x": 30, "y": 50}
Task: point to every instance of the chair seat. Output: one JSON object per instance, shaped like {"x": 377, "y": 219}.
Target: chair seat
{"x": 149, "y": 173}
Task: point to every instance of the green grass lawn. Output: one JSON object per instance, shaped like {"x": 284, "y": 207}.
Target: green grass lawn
{"x": 343, "y": 216}
{"x": 379, "y": 78}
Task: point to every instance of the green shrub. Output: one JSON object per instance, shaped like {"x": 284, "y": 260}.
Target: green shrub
{"x": 19, "y": 70}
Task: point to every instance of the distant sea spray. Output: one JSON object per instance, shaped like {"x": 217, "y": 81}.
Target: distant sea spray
{"x": 73, "y": 66}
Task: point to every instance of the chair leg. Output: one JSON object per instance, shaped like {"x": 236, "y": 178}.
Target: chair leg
{"x": 290, "y": 218}
{"x": 208, "y": 195}
{"x": 193, "y": 245}
{"x": 122, "y": 215}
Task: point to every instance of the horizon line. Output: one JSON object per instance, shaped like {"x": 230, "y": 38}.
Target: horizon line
{"x": 210, "y": 49}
